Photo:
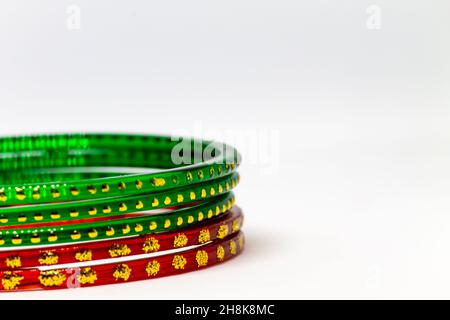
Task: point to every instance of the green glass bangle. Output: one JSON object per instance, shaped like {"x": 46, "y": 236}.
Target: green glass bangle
{"x": 40, "y": 176}
{"x": 75, "y": 210}
{"x": 39, "y": 153}
{"x": 119, "y": 228}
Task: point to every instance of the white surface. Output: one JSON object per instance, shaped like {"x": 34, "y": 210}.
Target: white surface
{"x": 360, "y": 191}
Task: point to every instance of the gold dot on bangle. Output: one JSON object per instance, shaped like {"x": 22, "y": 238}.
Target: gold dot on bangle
{"x": 93, "y": 233}
{"x": 110, "y": 231}
{"x": 36, "y": 193}
{"x": 55, "y": 193}
{"x": 180, "y": 240}
{"x": 152, "y": 268}
{"x": 105, "y": 187}
{"x": 75, "y": 235}
{"x": 232, "y": 247}
{"x": 158, "y": 182}
{"x": 122, "y": 271}
{"x": 84, "y": 255}
{"x": 126, "y": 229}
{"x": 3, "y": 197}
{"x": 202, "y": 258}
{"x": 74, "y": 191}
{"x": 13, "y": 261}
{"x": 55, "y": 215}
{"x": 204, "y": 236}
{"x": 87, "y": 276}
{"x": 122, "y": 207}
{"x": 20, "y": 194}
{"x": 91, "y": 189}
{"x": 220, "y": 253}
{"x": 35, "y": 238}
{"x": 235, "y": 226}
{"x": 52, "y": 237}
{"x": 241, "y": 242}
{"x": 223, "y": 231}
{"x": 139, "y": 204}
{"x": 16, "y": 239}
{"x": 48, "y": 258}
{"x": 179, "y": 262}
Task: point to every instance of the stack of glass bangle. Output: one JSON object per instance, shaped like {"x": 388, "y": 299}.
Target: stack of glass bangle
{"x": 79, "y": 210}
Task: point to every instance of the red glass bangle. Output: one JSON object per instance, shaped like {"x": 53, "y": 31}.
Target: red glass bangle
{"x": 199, "y": 234}
{"x": 141, "y": 269}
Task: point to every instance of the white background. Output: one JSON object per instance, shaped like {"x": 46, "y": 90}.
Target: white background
{"x": 352, "y": 200}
